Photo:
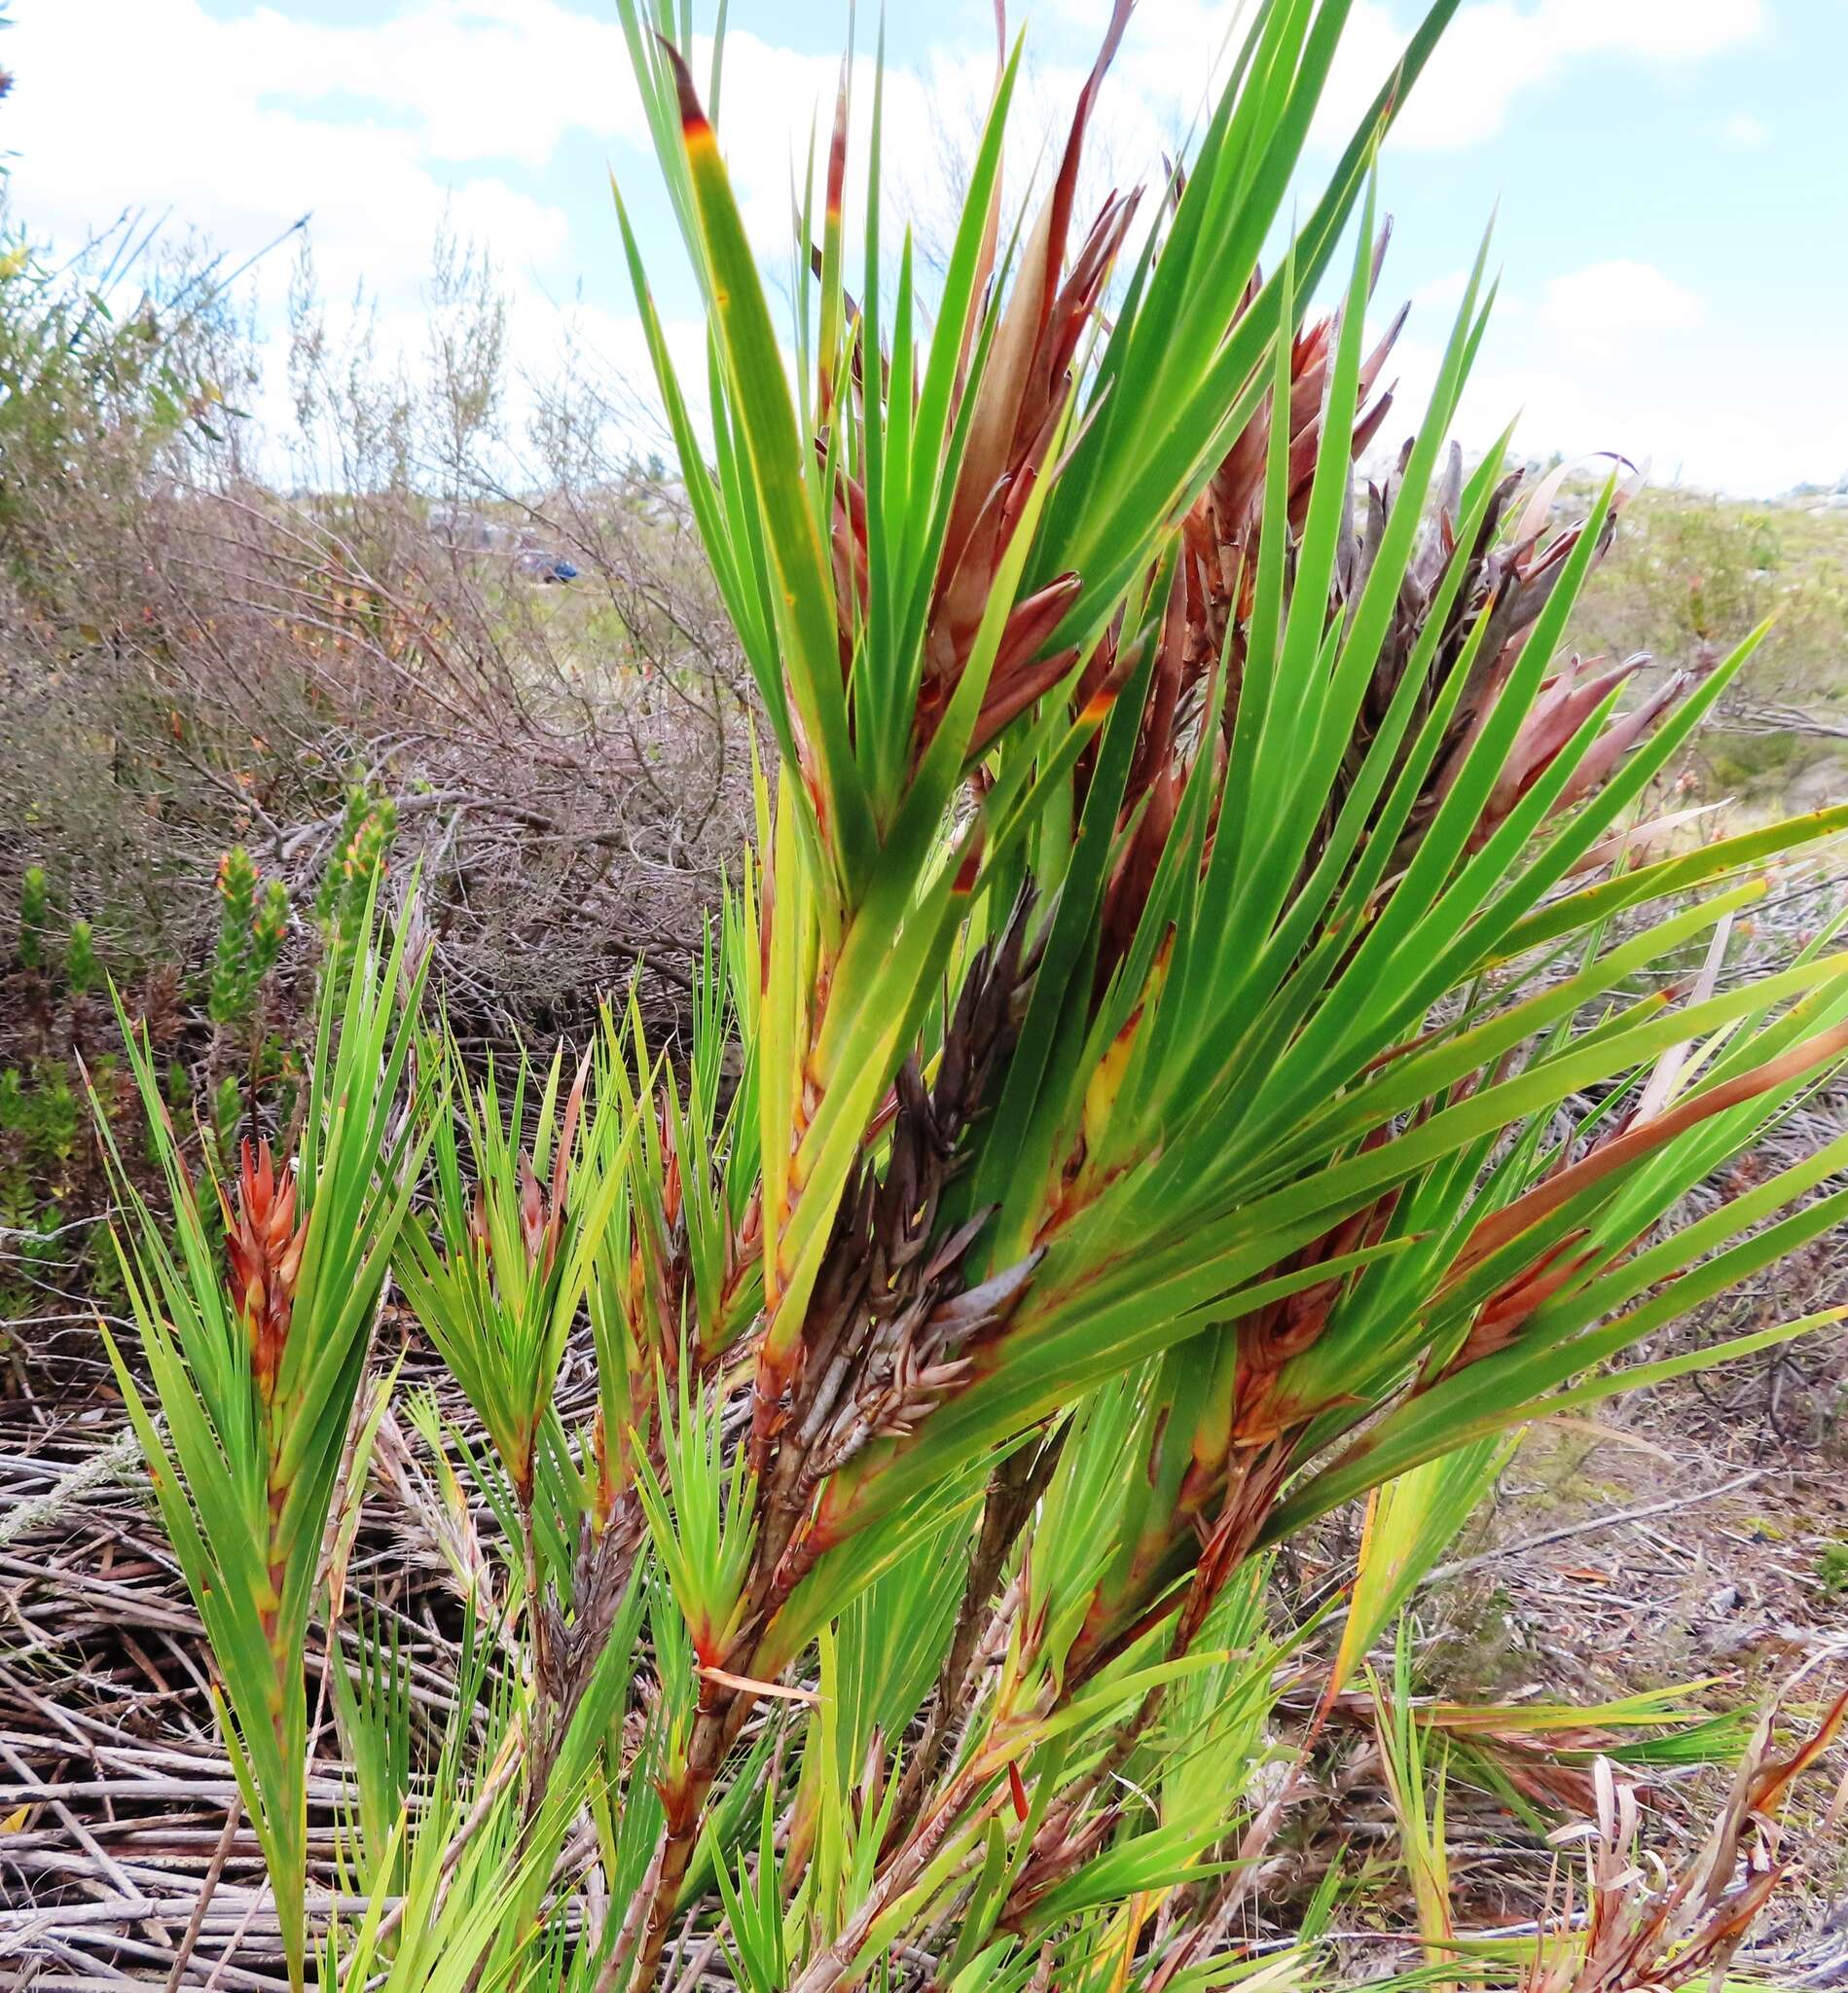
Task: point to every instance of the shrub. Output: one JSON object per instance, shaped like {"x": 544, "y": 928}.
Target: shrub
{"x": 252, "y": 927}
{"x": 350, "y": 883}
{"x": 1169, "y": 1068}
{"x": 1832, "y": 1569}
{"x": 196, "y": 658}
{"x": 229, "y": 996}
{"x": 79, "y": 959}
{"x": 34, "y": 911}
{"x": 1695, "y": 574}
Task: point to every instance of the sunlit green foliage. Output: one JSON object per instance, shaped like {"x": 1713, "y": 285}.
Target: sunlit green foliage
{"x": 34, "y": 913}
{"x": 1171, "y": 1065}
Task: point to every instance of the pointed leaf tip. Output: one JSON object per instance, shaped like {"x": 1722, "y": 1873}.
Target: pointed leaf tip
{"x": 694, "y": 124}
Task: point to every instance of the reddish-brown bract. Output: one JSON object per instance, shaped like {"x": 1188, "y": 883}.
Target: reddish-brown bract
{"x": 262, "y": 1253}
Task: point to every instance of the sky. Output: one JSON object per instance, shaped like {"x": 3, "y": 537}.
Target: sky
{"x": 1667, "y": 179}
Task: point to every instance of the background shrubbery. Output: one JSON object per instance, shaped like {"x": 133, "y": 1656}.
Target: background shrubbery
{"x": 208, "y": 636}
{"x": 241, "y": 669}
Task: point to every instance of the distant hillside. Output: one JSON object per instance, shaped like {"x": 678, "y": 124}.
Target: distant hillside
{"x": 1689, "y": 576}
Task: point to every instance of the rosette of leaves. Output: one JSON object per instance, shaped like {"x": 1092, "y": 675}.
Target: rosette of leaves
{"x": 1177, "y": 1000}
{"x": 255, "y": 1351}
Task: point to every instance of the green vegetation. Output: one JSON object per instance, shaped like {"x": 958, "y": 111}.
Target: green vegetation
{"x": 1832, "y": 1568}
{"x": 200, "y": 660}
{"x": 1167, "y": 1067}
{"x": 1692, "y": 574}
{"x": 79, "y": 959}
{"x": 350, "y": 882}
{"x": 34, "y": 913}
{"x": 94, "y": 391}
{"x": 244, "y": 954}
{"x": 1698, "y": 570}
{"x": 257, "y": 1378}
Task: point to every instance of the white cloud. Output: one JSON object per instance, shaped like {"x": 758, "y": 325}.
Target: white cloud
{"x": 474, "y": 79}
{"x": 1743, "y": 129}
{"x": 1620, "y": 358}
{"x": 239, "y": 126}
{"x": 1493, "y": 50}
{"x": 430, "y": 108}
{"x": 1607, "y": 305}
{"x": 1662, "y": 30}
{"x": 388, "y": 130}
{"x": 1652, "y": 413}
{"x": 221, "y": 123}
{"x": 384, "y": 127}
{"x": 1496, "y": 49}
{"x": 1436, "y": 302}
